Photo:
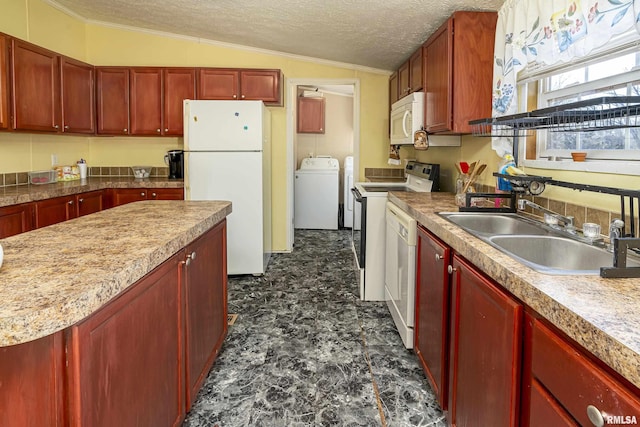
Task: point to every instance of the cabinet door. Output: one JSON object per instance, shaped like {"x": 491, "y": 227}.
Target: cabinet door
{"x": 415, "y": 71}
{"x": 310, "y": 115}
{"x": 125, "y": 359}
{"x": 36, "y": 88}
{"x": 16, "y": 219}
{"x": 179, "y": 84}
{"x": 165, "y": 193}
{"x": 403, "y": 80}
{"x": 218, "y": 83}
{"x": 90, "y": 202}
{"x": 112, "y": 94}
{"x": 261, "y": 85}
{"x": 432, "y": 312}
{"x": 122, "y": 196}
{"x": 31, "y": 391}
{"x": 438, "y": 79}
{"x": 78, "y": 103}
{"x": 206, "y": 305}
{"x": 146, "y": 101}
{"x": 53, "y": 211}
{"x": 486, "y": 337}
{"x": 393, "y": 89}
{"x": 4, "y": 83}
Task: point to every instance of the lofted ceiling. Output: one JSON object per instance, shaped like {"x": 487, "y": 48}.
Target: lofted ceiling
{"x": 379, "y": 34}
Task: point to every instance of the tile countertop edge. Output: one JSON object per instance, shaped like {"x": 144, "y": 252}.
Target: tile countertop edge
{"x": 599, "y": 314}
{"x": 68, "y": 277}
{"x": 30, "y": 193}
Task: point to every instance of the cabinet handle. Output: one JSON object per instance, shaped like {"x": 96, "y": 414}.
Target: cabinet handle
{"x": 451, "y": 269}
{"x": 439, "y": 257}
{"x": 80, "y": 200}
{"x": 70, "y": 202}
{"x": 595, "y": 416}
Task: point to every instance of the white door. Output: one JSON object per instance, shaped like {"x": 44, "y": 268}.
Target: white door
{"x": 223, "y": 125}
{"x": 218, "y": 176}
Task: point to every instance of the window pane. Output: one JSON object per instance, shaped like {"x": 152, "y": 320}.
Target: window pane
{"x": 611, "y": 67}
{"x": 612, "y": 139}
{"x": 634, "y": 142}
{"x": 566, "y": 79}
{"x": 562, "y": 140}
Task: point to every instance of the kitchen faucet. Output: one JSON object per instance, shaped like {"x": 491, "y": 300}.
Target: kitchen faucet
{"x": 567, "y": 221}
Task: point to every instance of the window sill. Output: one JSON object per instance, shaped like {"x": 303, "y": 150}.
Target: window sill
{"x": 618, "y": 167}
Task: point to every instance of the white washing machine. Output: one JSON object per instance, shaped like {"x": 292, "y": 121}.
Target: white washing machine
{"x": 316, "y": 194}
{"x": 347, "y": 211}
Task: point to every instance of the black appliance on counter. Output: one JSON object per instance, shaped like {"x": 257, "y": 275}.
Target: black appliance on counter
{"x": 175, "y": 160}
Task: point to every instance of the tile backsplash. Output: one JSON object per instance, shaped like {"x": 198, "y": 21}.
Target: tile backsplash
{"x": 22, "y": 178}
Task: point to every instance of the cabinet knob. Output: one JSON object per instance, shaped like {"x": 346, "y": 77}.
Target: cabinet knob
{"x": 142, "y": 194}
{"x": 595, "y": 416}
{"x": 80, "y": 200}
{"x": 154, "y": 195}
{"x": 166, "y": 129}
{"x": 56, "y": 126}
{"x": 193, "y": 255}
{"x": 66, "y": 126}
{"x": 320, "y": 128}
{"x": 70, "y": 202}
{"x": 158, "y": 130}
{"x": 124, "y": 130}
{"x": 451, "y": 269}
{"x": 190, "y": 257}
{"x": 235, "y": 96}
{"x": 242, "y": 96}
{"x": 439, "y": 257}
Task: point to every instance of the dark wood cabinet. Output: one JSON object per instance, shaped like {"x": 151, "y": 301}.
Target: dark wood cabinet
{"x": 122, "y": 196}
{"x": 35, "y": 86}
{"x": 485, "y": 353}
{"x": 393, "y": 89}
{"x": 31, "y": 390}
{"x": 112, "y": 100}
{"x": 179, "y": 84}
{"x": 53, "y": 211}
{"x": 457, "y": 83}
{"x": 561, "y": 381}
{"x": 206, "y": 305}
{"x": 415, "y": 71}
{"x": 125, "y": 359}
{"x": 146, "y": 106}
{"x": 77, "y": 82}
{"x": 403, "y": 80}
{"x": 4, "y": 83}
{"x": 310, "y": 115}
{"x": 16, "y": 219}
{"x": 432, "y": 311}
{"x": 240, "y": 84}
{"x": 89, "y": 202}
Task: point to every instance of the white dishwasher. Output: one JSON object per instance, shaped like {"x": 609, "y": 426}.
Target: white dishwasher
{"x": 400, "y": 270}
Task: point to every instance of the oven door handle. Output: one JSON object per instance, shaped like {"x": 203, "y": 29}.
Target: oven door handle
{"x": 356, "y": 194}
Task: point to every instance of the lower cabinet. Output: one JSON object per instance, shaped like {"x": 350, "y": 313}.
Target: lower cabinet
{"x": 90, "y": 202}
{"x": 123, "y": 196}
{"x": 31, "y": 383}
{"x": 124, "y": 360}
{"x": 563, "y": 386}
{"x": 432, "y": 312}
{"x": 485, "y": 358}
{"x": 206, "y": 306}
{"x": 16, "y": 219}
{"x": 53, "y": 211}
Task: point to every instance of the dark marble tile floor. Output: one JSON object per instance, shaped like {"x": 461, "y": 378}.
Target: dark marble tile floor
{"x": 305, "y": 351}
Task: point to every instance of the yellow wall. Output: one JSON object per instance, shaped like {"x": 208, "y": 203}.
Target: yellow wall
{"x": 39, "y": 23}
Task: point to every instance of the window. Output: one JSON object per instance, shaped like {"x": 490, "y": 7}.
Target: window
{"x": 612, "y": 75}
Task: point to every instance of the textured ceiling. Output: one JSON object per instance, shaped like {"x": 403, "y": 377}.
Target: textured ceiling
{"x": 373, "y": 33}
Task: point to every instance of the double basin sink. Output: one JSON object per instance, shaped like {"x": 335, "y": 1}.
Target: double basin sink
{"x": 535, "y": 244}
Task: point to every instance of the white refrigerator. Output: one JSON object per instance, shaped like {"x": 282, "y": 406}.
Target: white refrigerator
{"x": 228, "y": 157}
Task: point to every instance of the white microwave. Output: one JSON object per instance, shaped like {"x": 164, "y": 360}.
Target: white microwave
{"x": 407, "y": 117}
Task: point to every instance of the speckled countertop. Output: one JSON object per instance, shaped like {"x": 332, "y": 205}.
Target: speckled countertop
{"x": 600, "y": 314}
{"x": 55, "y": 276}
{"x": 28, "y": 193}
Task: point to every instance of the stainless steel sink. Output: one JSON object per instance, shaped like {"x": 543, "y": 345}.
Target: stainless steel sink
{"x": 555, "y": 255}
{"x": 492, "y": 224}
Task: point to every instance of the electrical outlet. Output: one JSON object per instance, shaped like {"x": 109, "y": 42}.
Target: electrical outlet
{"x": 54, "y": 160}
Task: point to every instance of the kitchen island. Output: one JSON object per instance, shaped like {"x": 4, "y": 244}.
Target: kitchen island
{"x": 116, "y": 315}
{"x": 583, "y": 325}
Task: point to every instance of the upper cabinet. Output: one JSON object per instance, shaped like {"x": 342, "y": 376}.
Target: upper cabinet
{"x": 393, "y": 89}
{"x": 179, "y": 84}
{"x": 145, "y": 109}
{"x": 403, "y": 80}
{"x": 458, "y": 70}
{"x": 415, "y": 71}
{"x": 311, "y": 114}
{"x": 230, "y": 84}
{"x": 112, "y": 95}
{"x": 36, "y": 88}
{"x": 408, "y": 78}
{"x": 77, "y": 81}
{"x": 4, "y": 85}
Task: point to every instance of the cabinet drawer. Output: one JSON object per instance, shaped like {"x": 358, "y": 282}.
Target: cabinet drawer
{"x": 576, "y": 382}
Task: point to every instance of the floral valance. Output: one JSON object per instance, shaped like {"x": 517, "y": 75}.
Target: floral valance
{"x": 548, "y": 31}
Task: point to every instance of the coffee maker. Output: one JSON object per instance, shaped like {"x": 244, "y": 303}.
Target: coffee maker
{"x": 175, "y": 160}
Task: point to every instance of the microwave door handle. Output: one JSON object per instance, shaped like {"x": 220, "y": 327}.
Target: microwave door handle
{"x": 404, "y": 123}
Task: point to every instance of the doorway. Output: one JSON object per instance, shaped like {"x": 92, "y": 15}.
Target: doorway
{"x": 339, "y": 87}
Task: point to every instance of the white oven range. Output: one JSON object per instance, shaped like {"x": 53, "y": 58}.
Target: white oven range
{"x": 369, "y": 224}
